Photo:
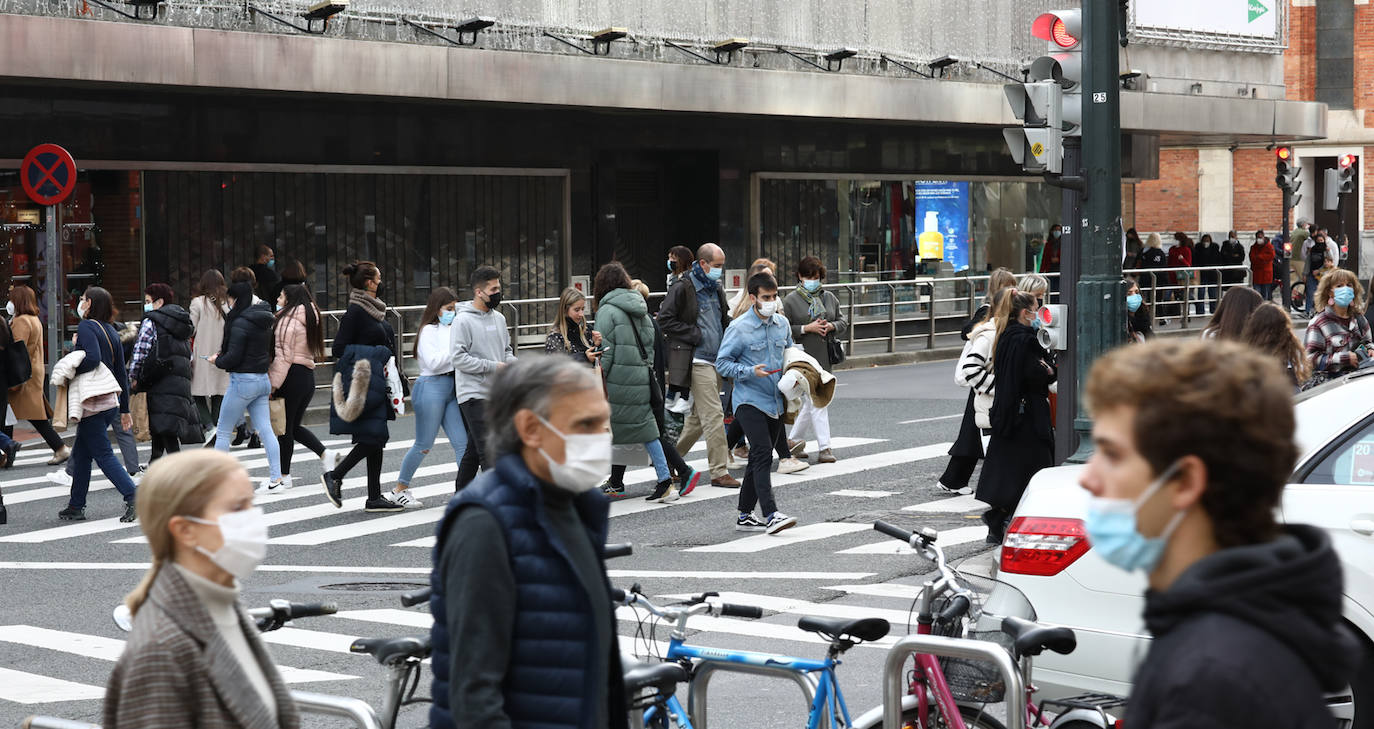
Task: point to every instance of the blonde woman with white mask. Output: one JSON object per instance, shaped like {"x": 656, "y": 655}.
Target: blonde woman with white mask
{"x": 194, "y": 657}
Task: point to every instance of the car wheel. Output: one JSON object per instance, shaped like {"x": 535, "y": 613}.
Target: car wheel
{"x": 1354, "y": 707}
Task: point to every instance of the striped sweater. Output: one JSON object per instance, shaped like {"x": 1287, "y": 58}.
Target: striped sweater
{"x": 1332, "y": 342}
{"x": 975, "y": 370}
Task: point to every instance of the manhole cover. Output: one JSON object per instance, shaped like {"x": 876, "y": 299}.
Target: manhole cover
{"x": 374, "y": 586}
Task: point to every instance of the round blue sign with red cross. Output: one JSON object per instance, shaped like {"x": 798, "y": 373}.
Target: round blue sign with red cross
{"x": 48, "y": 174}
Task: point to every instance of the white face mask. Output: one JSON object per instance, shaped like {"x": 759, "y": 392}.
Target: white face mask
{"x": 586, "y": 460}
{"x": 245, "y": 541}
{"x": 9, "y": 309}
{"x": 768, "y": 308}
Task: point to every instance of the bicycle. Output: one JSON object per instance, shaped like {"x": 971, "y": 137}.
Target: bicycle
{"x": 951, "y": 693}
{"x": 817, "y": 677}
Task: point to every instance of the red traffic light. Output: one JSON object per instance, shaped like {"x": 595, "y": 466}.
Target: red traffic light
{"x": 1061, "y": 36}
{"x": 1284, "y": 153}
{"x": 1060, "y": 27}
{"x": 1347, "y": 161}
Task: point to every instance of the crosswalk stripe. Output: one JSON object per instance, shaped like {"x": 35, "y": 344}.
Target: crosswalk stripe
{"x": 948, "y": 538}
{"x": 850, "y": 466}
{"x": 389, "y": 616}
{"x": 864, "y": 493}
{"x": 761, "y": 542}
{"x": 22, "y": 687}
{"x": 108, "y": 649}
{"x": 414, "y": 517}
{"x": 313, "y": 639}
{"x": 721, "y": 575}
{"x": 956, "y": 505}
{"x": 885, "y": 589}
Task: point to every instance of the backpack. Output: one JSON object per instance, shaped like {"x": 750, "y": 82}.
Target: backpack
{"x": 1316, "y": 258}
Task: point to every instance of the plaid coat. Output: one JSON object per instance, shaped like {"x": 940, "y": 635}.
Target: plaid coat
{"x": 176, "y": 670}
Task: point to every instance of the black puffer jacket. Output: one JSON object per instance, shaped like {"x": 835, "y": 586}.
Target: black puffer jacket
{"x": 166, "y": 374}
{"x": 248, "y": 342}
{"x": 1247, "y": 638}
{"x": 360, "y": 406}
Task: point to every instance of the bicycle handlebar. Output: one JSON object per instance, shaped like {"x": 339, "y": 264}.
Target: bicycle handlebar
{"x": 894, "y": 531}
{"x": 958, "y": 608}
{"x": 281, "y": 612}
{"x": 740, "y": 611}
{"x": 415, "y": 597}
{"x": 611, "y": 551}
{"x": 697, "y": 605}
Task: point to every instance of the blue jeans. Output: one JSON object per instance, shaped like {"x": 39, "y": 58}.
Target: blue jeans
{"x": 249, "y": 391}
{"x": 92, "y": 446}
{"x": 1309, "y": 290}
{"x": 5, "y": 440}
{"x": 435, "y": 401}
{"x": 656, "y": 454}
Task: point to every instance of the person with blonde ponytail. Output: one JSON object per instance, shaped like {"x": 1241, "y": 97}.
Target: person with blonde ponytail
{"x": 194, "y": 657}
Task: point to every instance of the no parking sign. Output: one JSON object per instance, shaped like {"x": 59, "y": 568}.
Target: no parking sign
{"x": 48, "y": 174}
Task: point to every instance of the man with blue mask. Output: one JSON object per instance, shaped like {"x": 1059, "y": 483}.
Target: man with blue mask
{"x": 693, "y": 318}
{"x": 1188, "y": 471}
{"x": 268, "y": 284}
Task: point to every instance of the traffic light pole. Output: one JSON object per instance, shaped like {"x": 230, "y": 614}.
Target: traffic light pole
{"x": 1099, "y": 298}
{"x": 1071, "y": 212}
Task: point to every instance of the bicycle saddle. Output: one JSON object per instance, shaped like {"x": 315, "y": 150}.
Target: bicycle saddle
{"x": 663, "y": 676}
{"x": 391, "y": 650}
{"x": 862, "y": 629}
{"x": 1031, "y": 638}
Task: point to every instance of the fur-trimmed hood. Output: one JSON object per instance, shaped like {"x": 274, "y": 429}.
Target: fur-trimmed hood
{"x": 349, "y": 402}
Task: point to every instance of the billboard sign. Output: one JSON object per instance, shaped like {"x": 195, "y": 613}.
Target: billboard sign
{"x": 942, "y": 221}
{"x": 1234, "y": 24}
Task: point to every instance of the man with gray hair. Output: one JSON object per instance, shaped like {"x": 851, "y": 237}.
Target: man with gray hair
{"x": 523, "y": 629}
{"x": 693, "y": 318}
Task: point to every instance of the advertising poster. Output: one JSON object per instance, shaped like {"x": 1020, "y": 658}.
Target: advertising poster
{"x": 942, "y": 221}
{"x": 1212, "y": 20}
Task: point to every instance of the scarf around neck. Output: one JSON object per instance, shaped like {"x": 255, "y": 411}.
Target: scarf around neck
{"x": 708, "y": 284}
{"x": 815, "y": 303}
{"x": 375, "y": 307}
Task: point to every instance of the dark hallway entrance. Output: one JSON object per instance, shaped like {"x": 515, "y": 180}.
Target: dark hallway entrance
{"x": 650, "y": 201}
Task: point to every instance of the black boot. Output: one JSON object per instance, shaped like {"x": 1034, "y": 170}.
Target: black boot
{"x": 4, "y": 516}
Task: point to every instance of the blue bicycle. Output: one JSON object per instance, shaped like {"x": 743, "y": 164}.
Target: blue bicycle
{"x": 661, "y": 709}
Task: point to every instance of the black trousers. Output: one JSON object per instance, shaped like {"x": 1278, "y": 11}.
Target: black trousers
{"x": 163, "y": 444}
{"x": 297, "y": 389}
{"x": 373, "y": 454}
{"x": 757, "y": 487}
{"x": 475, "y": 420}
{"x": 43, "y": 428}
{"x": 734, "y": 434}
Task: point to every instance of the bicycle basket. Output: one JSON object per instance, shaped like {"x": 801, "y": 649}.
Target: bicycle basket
{"x": 972, "y": 680}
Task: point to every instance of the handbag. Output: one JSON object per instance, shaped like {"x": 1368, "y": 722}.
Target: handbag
{"x": 395, "y": 393}
{"x": 834, "y": 349}
{"x": 276, "y": 407}
{"x": 655, "y": 389}
{"x": 18, "y": 368}
{"x": 138, "y": 408}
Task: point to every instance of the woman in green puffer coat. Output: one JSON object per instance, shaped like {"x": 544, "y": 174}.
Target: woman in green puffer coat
{"x": 627, "y": 340}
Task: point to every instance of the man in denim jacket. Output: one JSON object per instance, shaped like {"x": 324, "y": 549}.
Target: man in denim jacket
{"x": 751, "y": 354}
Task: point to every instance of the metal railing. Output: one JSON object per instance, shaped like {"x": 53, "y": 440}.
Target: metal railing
{"x": 894, "y": 671}
{"x": 932, "y": 308}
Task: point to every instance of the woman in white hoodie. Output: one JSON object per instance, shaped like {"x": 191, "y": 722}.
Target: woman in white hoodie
{"x": 974, "y": 371}
{"x": 433, "y": 396}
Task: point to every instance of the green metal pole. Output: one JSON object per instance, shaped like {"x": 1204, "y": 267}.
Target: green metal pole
{"x": 1099, "y": 295}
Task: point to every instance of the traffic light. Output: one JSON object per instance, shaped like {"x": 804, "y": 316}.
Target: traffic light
{"x": 1345, "y": 181}
{"x": 1050, "y": 103}
{"x": 1052, "y": 334}
{"x": 1288, "y": 173}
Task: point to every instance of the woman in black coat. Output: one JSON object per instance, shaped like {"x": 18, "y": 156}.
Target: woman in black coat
{"x": 1022, "y": 440}
{"x": 161, "y": 367}
{"x": 245, "y": 355}
{"x": 362, "y": 346}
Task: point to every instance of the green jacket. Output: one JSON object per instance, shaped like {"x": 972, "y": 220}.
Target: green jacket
{"x": 625, "y": 366}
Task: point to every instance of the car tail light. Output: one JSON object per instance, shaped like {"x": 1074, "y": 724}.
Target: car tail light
{"x": 1042, "y": 546}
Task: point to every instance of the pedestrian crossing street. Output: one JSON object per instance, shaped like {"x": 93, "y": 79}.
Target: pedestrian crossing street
{"x": 301, "y": 518}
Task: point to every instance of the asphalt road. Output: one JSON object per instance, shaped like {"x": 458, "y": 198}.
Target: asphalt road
{"x": 891, "y": 426}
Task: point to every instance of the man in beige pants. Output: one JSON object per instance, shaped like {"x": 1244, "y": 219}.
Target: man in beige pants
{"x": 693, "y": 318}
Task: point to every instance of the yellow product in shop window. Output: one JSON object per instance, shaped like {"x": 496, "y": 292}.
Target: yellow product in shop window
{"x": 932, "y": 241}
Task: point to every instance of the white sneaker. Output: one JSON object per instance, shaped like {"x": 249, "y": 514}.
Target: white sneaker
{"x": 780, "y": 521}
{"x": 330, "y": 459}
{"x": 680, "y": 405}
{"x": 270, "y": 487}
{"x": 60, "y": 478}
{"x": 792, "y": 465}
{"x": 403, "y": 498}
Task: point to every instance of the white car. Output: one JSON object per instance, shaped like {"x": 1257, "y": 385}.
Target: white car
{"x": 1046, "y": 553}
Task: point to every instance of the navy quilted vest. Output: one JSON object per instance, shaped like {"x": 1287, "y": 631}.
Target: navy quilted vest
{"x": 546, "y": 685}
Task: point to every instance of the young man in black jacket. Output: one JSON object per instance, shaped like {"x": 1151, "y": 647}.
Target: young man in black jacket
{"x": 1189, "y": 469}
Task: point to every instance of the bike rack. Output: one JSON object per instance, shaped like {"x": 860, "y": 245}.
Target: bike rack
{"x": 359, "y": 711}
{"x": 696, "y": 697}
{"x": 895, "y": 665}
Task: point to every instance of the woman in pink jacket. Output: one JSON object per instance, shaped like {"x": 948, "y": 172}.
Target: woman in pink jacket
{"x": 299, "y": 335}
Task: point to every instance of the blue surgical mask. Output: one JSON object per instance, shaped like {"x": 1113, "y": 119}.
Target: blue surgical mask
{"x": 811, "y": 284}
{"x": 715, "y": 273}
{"x": 147, "y": 308}
{"x": 446, "y": 317}
{"x": 1036, "y": 323}
{"x": 1112, "y": 529}
{"x": 271, "y": 263}
{"x": 1133, "y": 302}
{"x": 670, "y": 265}
{"x": 1344, "y": 295}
